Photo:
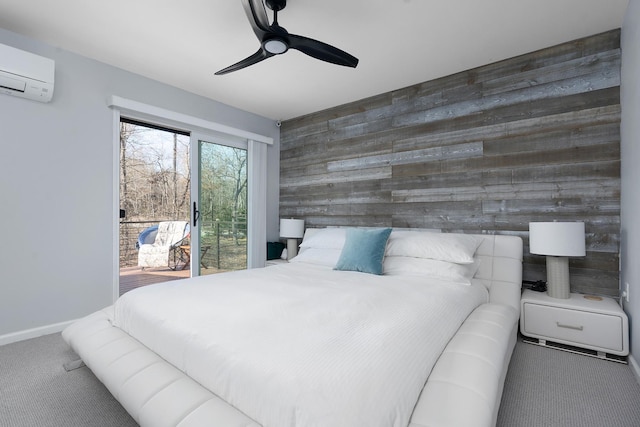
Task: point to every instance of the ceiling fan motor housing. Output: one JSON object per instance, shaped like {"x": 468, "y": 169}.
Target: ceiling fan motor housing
{"x": 276, "y": 5}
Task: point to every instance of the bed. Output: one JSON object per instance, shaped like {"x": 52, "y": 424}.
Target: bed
{"x": 424, "y": 339}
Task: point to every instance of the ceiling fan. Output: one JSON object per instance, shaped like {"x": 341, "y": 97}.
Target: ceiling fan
{"x": 275, "y": 40}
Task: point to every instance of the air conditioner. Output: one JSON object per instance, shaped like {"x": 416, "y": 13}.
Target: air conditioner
{"x": 26, "y": 75}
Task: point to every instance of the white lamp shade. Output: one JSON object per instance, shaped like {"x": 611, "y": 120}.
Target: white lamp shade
{"x": 557, "y": 238}
{"x": 292, "y": 228}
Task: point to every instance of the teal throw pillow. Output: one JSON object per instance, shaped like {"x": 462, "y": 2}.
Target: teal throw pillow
{"x": 364, "y": 250}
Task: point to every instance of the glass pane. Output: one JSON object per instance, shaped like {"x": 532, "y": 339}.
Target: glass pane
{"x": 155, "y": 178}
{"x": 223, "y": 208}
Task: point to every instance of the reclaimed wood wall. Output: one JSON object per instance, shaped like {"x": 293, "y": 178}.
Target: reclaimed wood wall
{"x": 531, "y": 138}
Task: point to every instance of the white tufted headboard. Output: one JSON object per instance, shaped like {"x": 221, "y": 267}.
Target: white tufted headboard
{"x": 501, "y": 268}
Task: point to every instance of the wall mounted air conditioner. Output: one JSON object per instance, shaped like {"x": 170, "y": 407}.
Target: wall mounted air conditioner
{"x": 26, "y": 75}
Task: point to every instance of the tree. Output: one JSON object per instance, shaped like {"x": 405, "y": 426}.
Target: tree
{"x": 154, "y": 179}
{"x": 224, "y": 184}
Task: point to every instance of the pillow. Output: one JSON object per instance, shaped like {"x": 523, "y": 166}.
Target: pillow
{"x": 458, "y": 248}
{"x": 320, "y": 256}
{"x": 363, "y": 250}
{"x": 409, "y": 266}
{"x": 328, "y": 238}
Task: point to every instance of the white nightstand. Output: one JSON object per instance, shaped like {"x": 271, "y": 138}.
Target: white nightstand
{"x": 594, "y": 323}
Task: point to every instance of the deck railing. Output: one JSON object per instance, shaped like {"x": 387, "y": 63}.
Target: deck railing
{"x": 226, "y": 243}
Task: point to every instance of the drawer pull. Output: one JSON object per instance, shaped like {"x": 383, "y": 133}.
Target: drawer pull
{"x": 577, "y": 328}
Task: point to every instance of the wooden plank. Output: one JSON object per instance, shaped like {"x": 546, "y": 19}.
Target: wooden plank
{"x": 434, "y": 180}
{"x": 599, "y": 62}
{"x": 542, "y": 58}
{"x": 569, "y": 137}
{"x": 525, "y": 126}
{"x": 363, "y": 198}
{"x": 345, "y": 187}
{"x": 369, "y": 174}
{"x": 510, "y": 191}
{"x": 550, "y": 90}
{"x": 602, "y": 153}
{"x": 290, "y": 134}
{"x": 340, "y": 111}
{"x": 567, "y": 172}
{"x": 566, "y": 206}
{"x": 472, "y": 149}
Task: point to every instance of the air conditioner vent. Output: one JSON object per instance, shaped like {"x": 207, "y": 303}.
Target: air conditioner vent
{"x": 26, "y": 75}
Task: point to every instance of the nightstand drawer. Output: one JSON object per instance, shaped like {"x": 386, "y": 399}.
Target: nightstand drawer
{"x": 592, "y": 330}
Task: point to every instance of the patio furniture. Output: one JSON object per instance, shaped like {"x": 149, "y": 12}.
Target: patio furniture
{"x": 147, "y": 236}
{"x": 169, "y": 236}
{"x": 185, "y": 255}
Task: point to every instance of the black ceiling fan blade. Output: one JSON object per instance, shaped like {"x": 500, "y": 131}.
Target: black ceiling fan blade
{"x": 257, "y": 15}
{"x": 260, "y": 55}
{"x": 322, "y": 51}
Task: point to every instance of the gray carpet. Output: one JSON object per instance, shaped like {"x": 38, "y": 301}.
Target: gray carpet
{"x": 544, "y": 387}
{"x": 36, "y": 391}
{"x": 552, "y": 388}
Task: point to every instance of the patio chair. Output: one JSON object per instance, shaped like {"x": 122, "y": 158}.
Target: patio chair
{"x": 169, "y": 236}
{"x": 147, "y": 236}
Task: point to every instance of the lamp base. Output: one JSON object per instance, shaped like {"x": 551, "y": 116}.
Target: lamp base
{"x": 292, "y": 248}
{"x": 558, "y": 277}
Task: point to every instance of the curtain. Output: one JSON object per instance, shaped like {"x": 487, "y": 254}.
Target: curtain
{"x": 257, "y": 195}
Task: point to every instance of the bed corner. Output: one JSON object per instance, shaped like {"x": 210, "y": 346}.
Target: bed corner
{"x": 465, "y": 386}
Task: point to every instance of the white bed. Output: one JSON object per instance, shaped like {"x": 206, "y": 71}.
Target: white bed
{"x": 188, "y": 367}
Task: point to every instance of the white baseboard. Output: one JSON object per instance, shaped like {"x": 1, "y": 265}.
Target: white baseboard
{"x": 34, "y": 333}
{"x": 635, "y": 368}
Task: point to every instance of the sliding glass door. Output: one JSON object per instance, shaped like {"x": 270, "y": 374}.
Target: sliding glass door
{"x": 220, "y": 207}
{"x": 168, "y": 175}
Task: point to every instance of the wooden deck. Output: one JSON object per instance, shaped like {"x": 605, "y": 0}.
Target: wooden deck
{"x": 135, "y": 277}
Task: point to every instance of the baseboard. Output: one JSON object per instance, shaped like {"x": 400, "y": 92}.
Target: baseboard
{"x": 635, "y": 368}
{"x": 34, "y": 333}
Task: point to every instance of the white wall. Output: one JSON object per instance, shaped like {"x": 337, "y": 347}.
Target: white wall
{"x": 630, "y": 153}
{"x": 56, "y": 187}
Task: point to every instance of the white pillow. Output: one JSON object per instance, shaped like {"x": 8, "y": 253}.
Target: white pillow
{"x": 458, "y": 248}
{"x": 328, "y": 238}
{"x": 320, "y": 256}
{"x": 409, "y": 266}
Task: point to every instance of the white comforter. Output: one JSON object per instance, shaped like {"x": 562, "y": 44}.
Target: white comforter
{"x": 303, "y": 345}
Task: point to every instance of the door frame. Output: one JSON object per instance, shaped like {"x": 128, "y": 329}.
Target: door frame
{"x": 152, "y": 114}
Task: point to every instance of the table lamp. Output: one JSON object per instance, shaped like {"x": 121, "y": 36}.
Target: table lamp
{"x": 558, "y": 241}
{"x": 292, "y": 230}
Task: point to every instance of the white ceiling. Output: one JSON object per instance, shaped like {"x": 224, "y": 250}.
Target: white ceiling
{"x": 398, "y": 42}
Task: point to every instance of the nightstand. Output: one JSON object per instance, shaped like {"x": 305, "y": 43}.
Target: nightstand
{"x": 594, "y": 323}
